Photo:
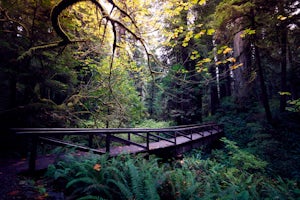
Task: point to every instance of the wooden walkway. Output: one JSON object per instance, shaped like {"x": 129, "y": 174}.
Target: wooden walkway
{"x": 171, "y": 140}
{"x": 162, "y": 144}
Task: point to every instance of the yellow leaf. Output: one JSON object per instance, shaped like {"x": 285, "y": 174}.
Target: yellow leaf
{"x": 284, "y": 93}
{"x": 199, "y": 69}
{"x": 198, "y": 35}
{"x": 231, "y": 59}
{"x": 218, "y": 63}
{"x": 202, "y": 2}
{"x": 185, "y": 44}
{"x": 281, "y": 17}
{"x": 227, "y": 50}
{"x": 206, "y": 60}
{"x": 236, "y": 66}
{"x": 210, "y": 31}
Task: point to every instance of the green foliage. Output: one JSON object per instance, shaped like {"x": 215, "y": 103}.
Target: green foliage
{"x": 151, "y": 123}
{"x": 241, "y": 159}
{"x": 233, "y": 173}
{"x": 277, "y": 144}
{"x": 294, "y": 106}
{"x": 118, "y": 178}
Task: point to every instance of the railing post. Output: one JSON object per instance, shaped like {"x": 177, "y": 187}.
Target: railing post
{"x": 175, "y": 139}
{"x": 33, "y": 153}
{"x": 91, "y": 140}
{"x": 107, "y": 144}
{"x": 148, "y": 141}
{"x": 128, "y": 136}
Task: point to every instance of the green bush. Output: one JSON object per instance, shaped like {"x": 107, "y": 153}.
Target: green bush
{"x": 150, "y": 123}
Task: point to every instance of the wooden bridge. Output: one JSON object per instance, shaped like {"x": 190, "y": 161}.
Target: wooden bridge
{"x": 163, "y": 141}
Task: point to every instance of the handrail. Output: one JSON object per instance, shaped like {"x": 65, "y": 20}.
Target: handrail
{"x": 106, "y": 130}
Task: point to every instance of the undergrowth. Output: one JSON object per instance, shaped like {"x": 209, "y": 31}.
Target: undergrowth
{"x": 257, "y": 161}
{"x": 278, "y": 144}
{"x": 230, "y": 174}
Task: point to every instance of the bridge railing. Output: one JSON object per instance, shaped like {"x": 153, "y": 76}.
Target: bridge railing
{"x": 119, "y": 135}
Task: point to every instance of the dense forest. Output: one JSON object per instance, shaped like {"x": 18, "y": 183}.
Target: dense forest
{"x": 140, "y": 63}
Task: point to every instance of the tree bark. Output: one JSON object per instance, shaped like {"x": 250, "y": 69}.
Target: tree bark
{"x": 263, "y": 88}
{"x": 214, "y": 99}
{"x": 283, "y": 87}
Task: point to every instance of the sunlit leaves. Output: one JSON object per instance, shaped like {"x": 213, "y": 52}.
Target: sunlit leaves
{"x": 233, "y": 67}
{"x": 183, "y": 32}
{"x": 247, "y": 31}
{"x": 227, "y": 50}
{"x": 294, "y": 105}
{"x": 176, "y": 32}
{"x": 231, "y": 59}
{"x": 198, "y": 35}
{"x": 210, "y": 31}
{"x": 224, "y": 50}
{"x": 200, "y": 2}
{"x": 200, "y": 65}
{"x": 284, "y": 93}
{"x": 281, "y": 17}
{"x": 187, "y": 38}
{"x": 195, "y": 55}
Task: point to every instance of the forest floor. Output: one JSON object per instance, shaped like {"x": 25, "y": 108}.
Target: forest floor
{"x": 17, "y": 183}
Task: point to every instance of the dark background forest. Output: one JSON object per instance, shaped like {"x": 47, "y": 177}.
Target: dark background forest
{"x": 130, "y": 63}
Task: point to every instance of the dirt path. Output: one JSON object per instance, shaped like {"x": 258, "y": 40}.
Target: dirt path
{"x": 17, "y": 183}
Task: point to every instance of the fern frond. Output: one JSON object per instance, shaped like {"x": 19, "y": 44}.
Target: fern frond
{"x": 136, "y": 181}
{"x": 81, "y": 180}
{"x": 125, "y": 190}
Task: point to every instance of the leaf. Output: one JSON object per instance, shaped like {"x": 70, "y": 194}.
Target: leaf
{"x": 236, "y": 66}
{"x": 210, "y": 31}
{"x": 243, "y": 195}
{"x": 284, "y": 93}
{"x": 97, "y": 167}
{"x": 227, "y": 50}
{"x": 198, "y": 35}
{"x": 231, "y": 59}
{"x": 206, "y": 60}
{"x": 281, "y": 17}
{"x": 202, "y": 2}
{"x": 185, "y": 44}
{"x": 247, "y": 31}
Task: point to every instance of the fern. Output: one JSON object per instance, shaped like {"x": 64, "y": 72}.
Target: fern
{"x": 124, "y": 189}
{"x": 91, "y": 197}
{"x": 136, "y": 181}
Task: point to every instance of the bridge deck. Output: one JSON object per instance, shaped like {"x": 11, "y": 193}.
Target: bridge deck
{"x": 159, "y": 145}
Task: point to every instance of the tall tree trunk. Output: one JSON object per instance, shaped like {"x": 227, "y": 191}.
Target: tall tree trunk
{"x": 214, "y": 99}
{"x": 263, "y": 88}
{"x": 283, "y": 44}
{"x": 242, "y": 54}
{"x": 264, "y": 94}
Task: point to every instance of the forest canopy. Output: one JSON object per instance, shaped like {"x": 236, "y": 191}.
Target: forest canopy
{"x": 114, "y": 63}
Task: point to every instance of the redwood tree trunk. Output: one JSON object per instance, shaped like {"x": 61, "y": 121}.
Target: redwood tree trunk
{"x": 264, "y": 95}
{"x": 283, "y": 41}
